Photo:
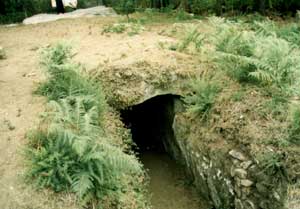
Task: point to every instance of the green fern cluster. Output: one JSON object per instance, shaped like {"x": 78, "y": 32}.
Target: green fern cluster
{"x": 66, "y": 78}
{"x": 289, "y": 32}
{"x": 192, "y": 36}
{"x": 69, "y": 151}
{"x": 202, "y": 98}
{"x": 256, "y": 57}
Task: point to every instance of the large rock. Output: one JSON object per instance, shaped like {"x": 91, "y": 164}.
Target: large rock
{"x": 90, "y": 12}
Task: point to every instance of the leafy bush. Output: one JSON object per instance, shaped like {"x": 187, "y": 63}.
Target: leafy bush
{"x": 202, "y": 98}
{"x": 125, "y": 7}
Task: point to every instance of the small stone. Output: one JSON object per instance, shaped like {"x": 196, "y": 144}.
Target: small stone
{"x": 249, "y": 205}
{"x": 238, "y": 204}
{"x": 245, "y": 165}
{"x": 237, "y": 191}
{"x": 241, "y": 173}
{"x": 19, "y": 112}
{"x": 2, "y": 53}
{"x": 246, "y": 191}
{"x": 246, "y": 183}
{"x": 238, "y": 155}
{"x": 9, "y": 125}
{"x": 277, "y": 196}
{"x": 262, "y": 188}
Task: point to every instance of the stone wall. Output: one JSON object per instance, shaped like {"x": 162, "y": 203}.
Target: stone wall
{"x": 226, "y": 174}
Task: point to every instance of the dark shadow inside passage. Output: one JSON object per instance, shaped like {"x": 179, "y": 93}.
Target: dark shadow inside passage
{"x": 151, "y": 123}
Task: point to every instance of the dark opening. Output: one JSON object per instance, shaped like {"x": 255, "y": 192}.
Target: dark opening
{"x": 151, "y": 123}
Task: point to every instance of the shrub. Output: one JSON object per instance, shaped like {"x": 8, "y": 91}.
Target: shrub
{"x": 125, "y": 7}
{"x": 202, "y": 98}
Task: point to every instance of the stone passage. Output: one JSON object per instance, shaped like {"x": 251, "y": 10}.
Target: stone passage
{"x": 151, "y": 126}
{"x": 151, "y": 123}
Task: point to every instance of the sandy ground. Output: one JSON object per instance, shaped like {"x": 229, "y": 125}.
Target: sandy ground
{"x": 19, "y": 77}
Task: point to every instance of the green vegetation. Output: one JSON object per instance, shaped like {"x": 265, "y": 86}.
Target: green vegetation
{"x": 272, "y": 163}
{"x": 192, "y": 36}
{"x": 16, "y": 10}
{"x": 131, "y": 28}
{"x": 256, "y": 57}
{"x": 202, "y": 98}
{"x": 70, "y": 151}
{"x": 294, "y": 130}
{"x": 125, "y": 7}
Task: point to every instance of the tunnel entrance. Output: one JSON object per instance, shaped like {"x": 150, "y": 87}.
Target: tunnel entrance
{"x": 151, "y": 123}
{"x": 151, "y": 127}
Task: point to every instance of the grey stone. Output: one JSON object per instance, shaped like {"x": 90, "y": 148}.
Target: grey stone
{"x": 237, "y": 191}
{"x": 241, "y": 173}
{"x": 237, "y": 155}
{"x": 249, "y": 205}
{"x": 238, "y": 204}
{"x": 277, "y": 196}
{"x": 246, "y": 183}
{"x": 245, "y": 165}
{"x": 261, "y": 188}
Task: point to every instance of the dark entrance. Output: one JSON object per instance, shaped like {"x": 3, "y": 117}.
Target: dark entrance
{"x": 151, "y": 123}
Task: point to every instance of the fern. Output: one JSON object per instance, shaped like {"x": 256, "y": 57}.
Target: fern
{"x": 191, "y": 36}
{"x": 259, "y": 57}
{"x": 202, "y": 99}
{"x": 70, "y": 151}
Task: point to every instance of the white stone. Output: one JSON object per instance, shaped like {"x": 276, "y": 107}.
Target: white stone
{"x": 246, "y": 183}
{"x": 238, "y": 155}
{"x": 241, "y": 173}
{"x": 245, "y": 165}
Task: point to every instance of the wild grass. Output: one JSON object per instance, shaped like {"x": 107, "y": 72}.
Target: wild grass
{"x": 70, "y": 151}
{"x": 202, "y": 98}
{"x": 132, "y": 28}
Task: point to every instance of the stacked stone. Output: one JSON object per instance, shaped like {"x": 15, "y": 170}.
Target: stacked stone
{"x": 242, "y": 183}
